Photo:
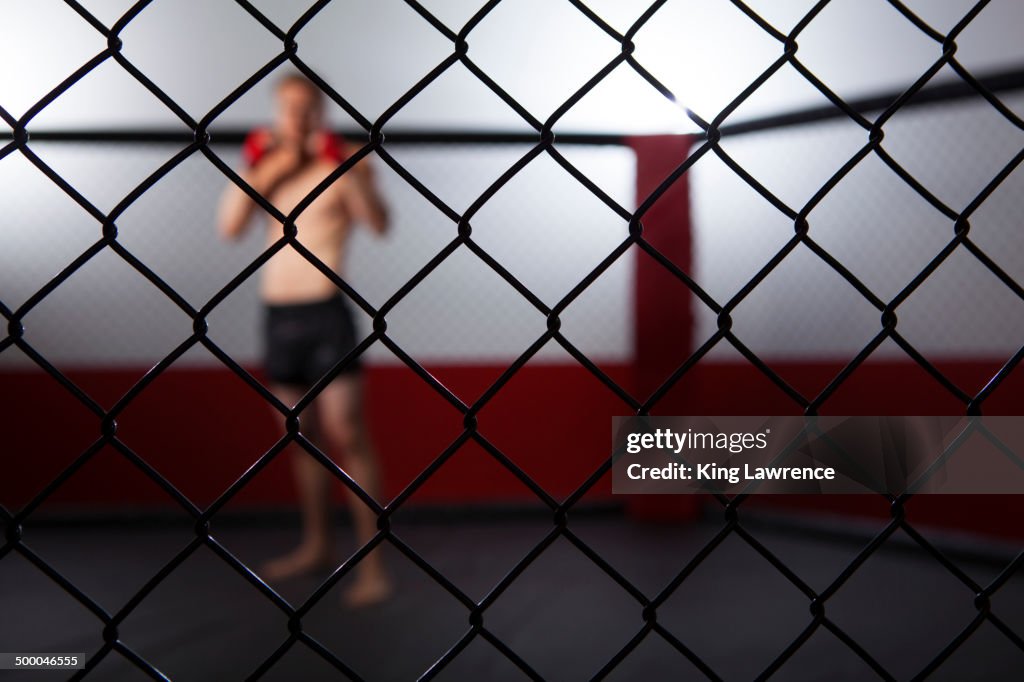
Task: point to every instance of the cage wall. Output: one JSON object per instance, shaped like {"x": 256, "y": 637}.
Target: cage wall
{"x": 106, "y": 326}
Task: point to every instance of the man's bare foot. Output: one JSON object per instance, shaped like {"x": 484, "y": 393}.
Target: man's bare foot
{"x": 367, "y": 590}
{"x": 299, "y": 562}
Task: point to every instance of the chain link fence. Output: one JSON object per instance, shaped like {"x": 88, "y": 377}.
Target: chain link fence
{"x": 462, "y": 240}
{"x": 877, "y": 226}
{"x": 543, "y": 226}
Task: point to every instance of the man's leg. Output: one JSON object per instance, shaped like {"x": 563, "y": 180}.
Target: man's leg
{"x": 340, "y": 414}
{"x": 316, "y": 551}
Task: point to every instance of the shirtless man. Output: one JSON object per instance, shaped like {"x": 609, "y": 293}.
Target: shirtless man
{"x": 308, "y": 322}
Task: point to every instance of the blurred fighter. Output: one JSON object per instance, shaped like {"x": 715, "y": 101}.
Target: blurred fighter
{"x": 308, "y": 322}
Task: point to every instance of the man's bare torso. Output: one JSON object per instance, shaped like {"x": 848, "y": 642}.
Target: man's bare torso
{"x": 323, "y": 228}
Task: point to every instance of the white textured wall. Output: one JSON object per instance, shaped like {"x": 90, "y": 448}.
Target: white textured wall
{"x": 877, "y": 226}
{"x": 543, "y": 227}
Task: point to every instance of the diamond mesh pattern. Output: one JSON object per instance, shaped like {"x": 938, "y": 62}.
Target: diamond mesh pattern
{"x": 544, "y": 142}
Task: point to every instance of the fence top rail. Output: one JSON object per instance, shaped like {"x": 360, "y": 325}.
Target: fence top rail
{"x": 1001, "y": 81}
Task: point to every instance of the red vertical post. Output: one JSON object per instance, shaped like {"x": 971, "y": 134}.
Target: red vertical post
{"x": 663, "y": 310}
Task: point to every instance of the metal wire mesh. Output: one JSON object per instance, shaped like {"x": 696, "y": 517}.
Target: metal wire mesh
{"x": 103, "y": 315}
{"x": 546, "y": 143}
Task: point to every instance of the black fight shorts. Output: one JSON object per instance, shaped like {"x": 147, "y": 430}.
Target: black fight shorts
{"x": 305, "y": 340}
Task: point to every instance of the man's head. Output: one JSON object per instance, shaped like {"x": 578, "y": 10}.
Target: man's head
{"x": 299, "y": 112}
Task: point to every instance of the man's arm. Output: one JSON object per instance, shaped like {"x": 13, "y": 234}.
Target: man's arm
{"x": 236, "y": 207}
{"x": 363, "y": 200}
{"x": 235, "y": 210}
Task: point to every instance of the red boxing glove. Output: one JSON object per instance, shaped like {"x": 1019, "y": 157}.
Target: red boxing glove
{"x": 332, "y": 147}
{"x": 258, "y": 142}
